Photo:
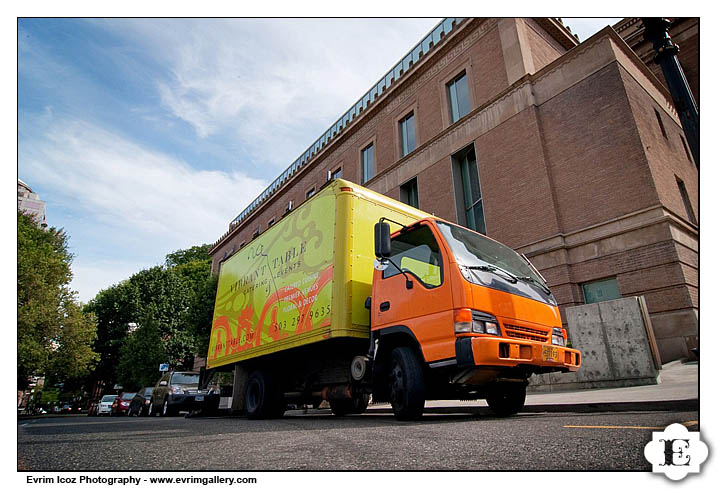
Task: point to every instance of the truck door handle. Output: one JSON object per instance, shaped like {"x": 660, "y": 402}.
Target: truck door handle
{"x": 384, "y": 306}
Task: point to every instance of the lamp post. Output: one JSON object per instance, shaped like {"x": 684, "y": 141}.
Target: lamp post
{"x": 656, "y": 32}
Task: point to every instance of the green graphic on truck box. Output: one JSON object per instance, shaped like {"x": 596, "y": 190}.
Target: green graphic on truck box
{"x": 278, "y": 287}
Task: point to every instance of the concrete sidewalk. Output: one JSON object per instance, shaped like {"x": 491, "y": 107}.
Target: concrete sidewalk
{"x": 677, "y": 389}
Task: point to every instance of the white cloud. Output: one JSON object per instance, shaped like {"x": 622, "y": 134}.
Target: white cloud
{"x": 152, "y": 200}
{"x": 264, "y": 81}
{"x": 90, "y": 278}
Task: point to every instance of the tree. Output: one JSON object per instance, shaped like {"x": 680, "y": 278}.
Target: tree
{"x": 54, "y": 337}
{"x": 140, "y": 357}
{"x": 74, "y": 358}
{"x": 171, "y": 306}
{"x": 198, "y": 253}
{"x": 114, "y": 311}
{"x": 201, "y": 313}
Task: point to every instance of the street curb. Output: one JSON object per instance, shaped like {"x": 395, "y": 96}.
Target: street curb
{"x": 650, "y": 406}
{"x": 51, "y": 416}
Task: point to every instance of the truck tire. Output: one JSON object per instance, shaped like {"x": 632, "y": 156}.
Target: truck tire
{"x": 406, "y": 385}
{"x": 507, "y": 399}
{"x": 349, "y": 406}
{"x": 262, "y": 397}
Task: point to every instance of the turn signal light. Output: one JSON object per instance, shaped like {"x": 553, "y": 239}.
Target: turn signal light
{"x": 462, "y": 320}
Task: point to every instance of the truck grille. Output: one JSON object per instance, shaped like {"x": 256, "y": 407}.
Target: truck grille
{"x": 526, "y": 333}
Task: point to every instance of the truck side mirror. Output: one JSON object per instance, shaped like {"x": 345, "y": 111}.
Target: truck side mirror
{"x": 382, "y": 240}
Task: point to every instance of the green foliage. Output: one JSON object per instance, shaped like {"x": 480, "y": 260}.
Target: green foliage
{"x": 201, "y": 313}
{"x": 54, "y": 337}
{"x": 198, "y": 253}
{"x": 140, "y": 357}
{"x": 172, "y": 307}
{"x": 114, "y": 311}
{"x": 74, "y": 357}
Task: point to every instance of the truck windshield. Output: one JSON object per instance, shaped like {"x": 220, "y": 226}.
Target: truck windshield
{"x": 472, "y": 249}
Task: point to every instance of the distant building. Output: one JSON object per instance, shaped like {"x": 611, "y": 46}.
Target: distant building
{"x": 29, "y": 203}
{"x": 572, "y": 153}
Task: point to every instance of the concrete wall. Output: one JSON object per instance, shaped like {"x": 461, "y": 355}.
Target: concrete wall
{"x": 614, "y": 339}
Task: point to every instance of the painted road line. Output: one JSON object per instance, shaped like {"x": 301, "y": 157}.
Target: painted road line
{"x": 690, "y": 423}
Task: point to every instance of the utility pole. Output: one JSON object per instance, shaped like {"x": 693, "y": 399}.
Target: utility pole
{"x": 656, "y": 32}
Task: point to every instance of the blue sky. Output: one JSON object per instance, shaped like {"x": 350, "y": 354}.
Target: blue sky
{"x": 145, "y": 136}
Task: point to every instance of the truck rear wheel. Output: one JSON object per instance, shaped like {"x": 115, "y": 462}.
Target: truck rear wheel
{"x": 262, "y": 397}
{"x": 349, "y": 406}
{"x": 406, "y": 384}
{"x": 507, "y": 399}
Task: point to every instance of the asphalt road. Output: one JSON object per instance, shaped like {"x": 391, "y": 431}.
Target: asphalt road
{"x": 320, "y": 441}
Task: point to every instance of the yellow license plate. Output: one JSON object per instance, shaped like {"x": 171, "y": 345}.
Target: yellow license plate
{"x": 549, "y": 353}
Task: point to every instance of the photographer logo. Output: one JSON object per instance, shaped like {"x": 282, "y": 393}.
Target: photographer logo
{"x": 676, "y": 452}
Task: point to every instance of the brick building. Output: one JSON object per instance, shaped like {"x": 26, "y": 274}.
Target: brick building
{"x": 571, "y": 153}
{"x": 683, "y": 32}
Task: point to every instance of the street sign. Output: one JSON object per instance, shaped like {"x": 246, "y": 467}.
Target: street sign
{"x": 164, "y": 367}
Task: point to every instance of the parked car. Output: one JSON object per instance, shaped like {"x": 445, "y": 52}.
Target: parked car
{"x": 140, "y": 404}
{"x": 106, "y": 402}
{"x": 176, "y": 391}
{"x": 122, "y": 403}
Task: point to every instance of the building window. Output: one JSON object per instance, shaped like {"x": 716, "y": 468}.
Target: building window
{"x": 270, "y": 223}
{"x": 409, "y": 193}
{"x": 458, "y": 92}
{"x": 469, "y": 203}
{"x": 407, "y": 134}
{"x": 256, "y": 232}
{"x": 241, "y": 245}
{"x": 603, "y": 290}
{"x": 686, "y": 201}
{"x": 685, "y": 148}
{"x": 337, "y": 174}
{"x": 367, "y": 163}
{"x": 311, "y": 192}
{"x": 660, "y": 123}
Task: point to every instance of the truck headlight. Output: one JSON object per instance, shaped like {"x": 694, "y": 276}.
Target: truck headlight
{"x": 491, "y": 328}
{"x": 557, "y": 337}
{"x": 472, "y": 321}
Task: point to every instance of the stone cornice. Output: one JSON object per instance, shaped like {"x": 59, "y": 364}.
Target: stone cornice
{"x": 610, "y": 228}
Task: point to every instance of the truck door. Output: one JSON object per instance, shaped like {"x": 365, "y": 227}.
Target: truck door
{"x": 426, "y": 309}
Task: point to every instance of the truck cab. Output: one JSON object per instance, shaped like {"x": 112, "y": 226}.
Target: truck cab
{"x": 457, "y": 315}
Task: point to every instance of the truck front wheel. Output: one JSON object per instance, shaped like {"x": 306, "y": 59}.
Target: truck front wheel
{"x": 262, "y": 397}
{"x": 406, "y": 384}
{"x": 507, "y": 399}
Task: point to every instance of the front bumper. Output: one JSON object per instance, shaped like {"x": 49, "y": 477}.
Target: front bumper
{"x": 192, "y": 401}
{"x": 505, "y": 352}
{"x": 104, "y": 410}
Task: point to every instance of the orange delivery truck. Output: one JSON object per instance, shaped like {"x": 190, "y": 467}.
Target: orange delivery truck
{"x": 354, "y": 294}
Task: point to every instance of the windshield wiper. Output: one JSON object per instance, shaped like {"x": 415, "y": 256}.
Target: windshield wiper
{"x": 532, "y": 280}
{"x": 492, "y": 268}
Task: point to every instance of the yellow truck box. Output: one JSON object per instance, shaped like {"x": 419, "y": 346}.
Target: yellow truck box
{"x": 303, "y": 280}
